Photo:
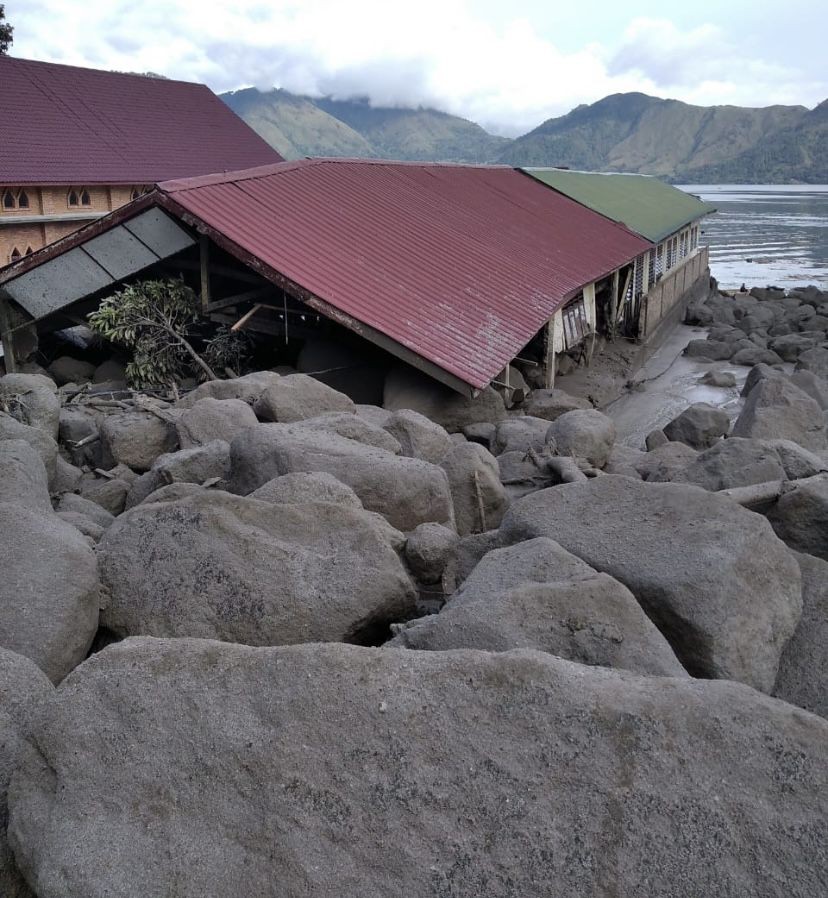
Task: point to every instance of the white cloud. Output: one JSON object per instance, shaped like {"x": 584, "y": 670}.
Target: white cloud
{"x": 508, "y": 76}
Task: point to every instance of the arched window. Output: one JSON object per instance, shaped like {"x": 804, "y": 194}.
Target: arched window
{"x": 72, "y": 197}
{"x": 23, "y": 199}
{"x": 136, "y": 192}
{"x": 8, "y": 200}
{"x": 15, "y": 255}
{"x": 85, "y": 199}
{"x": 29, "y": 250}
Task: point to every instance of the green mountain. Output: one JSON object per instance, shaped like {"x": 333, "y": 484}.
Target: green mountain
{"x": 623, "y": 132}
{"x": 636, "y": 133}
{"x": 301, "y": 126}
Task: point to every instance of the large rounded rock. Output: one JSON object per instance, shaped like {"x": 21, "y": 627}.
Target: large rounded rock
{"x": 476, "y": 491}
{"x": 777, "y": 409}
{"x": 407, "y": 388}
{"x": 583, "y": 434}
{"x": 803, "y": 670}
{"x": 49, "y": 590}
{"x": 298, "y": 396}
{"x": 42, "y": 443}
{"x": 712, "y": 576}
{"x": 428, "y": 551}
{"x": 551, "y": 404}
{"x": 733, "y": 462}
{"x": 317, "y": 486}
{"x": 520, "y": 434}
{"x": 537, "y": 595}
{"x": 67, "y": 370}
{"x": 699, "y": 426}
{"x": 211, "y": 419}
{"x": 136, "y": 439}
{"x": 70, "y": 503}
{"x": 407, "y": 491}
{"x": 816, "y": 387}
{"x": 663, "y": 463}
{"x": 23, "y": 690}
{"x": 244, "y": 570}
{"x": 23, "y": 479}
{"x": 800, "y": 517}
{"x": 354, "y": 427}
{"x": 247, "y": 388}
{"x": 32, "y": 399}
{"x": 418, "y": 437}
{"x": 814, "y": 360}
{"x": 218, "y": 770}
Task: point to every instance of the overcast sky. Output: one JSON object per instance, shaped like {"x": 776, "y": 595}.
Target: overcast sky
{"x": 507, "y": 65}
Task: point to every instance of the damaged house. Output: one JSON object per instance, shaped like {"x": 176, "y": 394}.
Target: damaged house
{"x": 455, "y": 270}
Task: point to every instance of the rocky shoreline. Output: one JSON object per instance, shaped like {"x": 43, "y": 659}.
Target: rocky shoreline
{"x": 222, "y": 673}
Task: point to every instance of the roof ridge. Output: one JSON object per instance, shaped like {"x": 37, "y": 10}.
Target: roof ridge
{"x": 156, "y": 76}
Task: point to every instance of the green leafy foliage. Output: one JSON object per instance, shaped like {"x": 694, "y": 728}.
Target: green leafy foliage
{"x": 154, "y": 319}
{"x": 228, "y": 349}
{"x": 6, "y": 31}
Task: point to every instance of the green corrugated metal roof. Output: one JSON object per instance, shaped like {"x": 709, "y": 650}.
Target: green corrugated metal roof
{"x": 643, "y": 203}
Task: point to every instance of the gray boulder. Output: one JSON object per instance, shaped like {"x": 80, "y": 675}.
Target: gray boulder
{"x": 776, "y": 409}
{"x": 211, "y": 419}
{"x": 354, "y": 427}
{"x": 297, "y": 397}
{"x": 520, "y": 434}
{"x": 85, "y": 525}
{"x": 663, "y": 463}
{"x": 718, "y": 379}
{"x": 23, "y": 691}
{"x": 710, "y": 350}
{"x": 623, "y": 460}
{"x": 712, "y": 576}
{"x": 197, "y": 464}
{"x": 796, "y": 461}
{"x": 32, "y": 399}
{"x": 803, "y": 669}
{"x": 406, "y": 388}
{"x": 733, "y": 462}
{"x": 49, "y": 591}
{"x": 66, "y": 370}
{"x": 108, "y": 371}
{"x": 243, "y": 570}
{"x": 587, "y": 434}
{"x": 814, "y": 360}
{"x": 800, "y": 517}
{"x": 551, "y": 404}
{"x": 247, "y": 388}
{"x": 524, "y": 472}
{"x": 755, "y": 355}
{"x": 790, "y": 346}
{"x": 699, "y": 426}
{"x": 67, "y": 477}
{"x": 333, "y": 770}
{"x": 317, "y": 486}
{"x": 407, "y": 491}
{"x": 42, "y": 443}
{"x": 69, "y": 502}
{"x": 80, "y": 425}
{"x": 109, "y": 493}
{"x": 816, "y": 387}
{"x": 537, "y": 595}
{"x": 23, "y": 479}
{"x": 136, "y": 439}
{"x": 418, "y": 436}
{"x": 477, "y": 494}
{"x": 428, "y": 550}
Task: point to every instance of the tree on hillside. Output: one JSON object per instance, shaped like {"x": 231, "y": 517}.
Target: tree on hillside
{"x": 6, "y": 31}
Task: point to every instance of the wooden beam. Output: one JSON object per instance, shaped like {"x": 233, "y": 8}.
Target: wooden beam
{"x": 6, "y": 333}
{"x": 549, "y": 354}
{"x": 234, "y": 274}
{"x": 245, "y": 318}
{"x": 247, "y": 296}
{"x": 204, "y": 265}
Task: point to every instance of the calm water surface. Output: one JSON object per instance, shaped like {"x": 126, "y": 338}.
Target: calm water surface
{"x": 766, "y": 234}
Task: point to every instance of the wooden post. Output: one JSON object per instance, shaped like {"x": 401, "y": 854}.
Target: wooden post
{"x": 613, "y": 309}
{"x": 204, "y": 259}
{"x": 549, "y": 353}
{"x": 6, "y": 334}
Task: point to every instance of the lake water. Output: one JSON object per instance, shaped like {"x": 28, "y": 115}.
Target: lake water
{"x": 766, "y": 234}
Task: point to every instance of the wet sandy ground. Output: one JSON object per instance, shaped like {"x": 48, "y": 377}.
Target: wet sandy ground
{"x": 666, "y": 384}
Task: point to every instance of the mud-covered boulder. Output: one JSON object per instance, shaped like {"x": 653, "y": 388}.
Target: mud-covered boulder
{"x": 42, "y": 443}
{"x": 587, "y": 434}
{"x": 814, "y": 360}
{"x": 333, "y": 770}
{"x": 49, "y": 590}
{"x": 211, "y": 419}
{"x": 23, "y": 690}
{"x": 711, "y": 575}
{"x": 718, "y": 379}
{"x": 699, "y": 426}
{"x": 477, "y": 494}
{"x": 755, "y": 355}
{"x": 418, "y": 436}
{"x": 709, "y": 350}
{"x": 136, "y": 439}
{"x": 23, "y": 479}
{"x": 663, "y": 463}
{"x": 407, "y": 388}
{"x": 247, "y": 388}
{"x": 66, "y": 370}
{"x": 353, "y": 427}
{"x": 733, "y": 462}
{"x": 796, "y": 461}
{"x": 70, "y": 502}
{"x": 297, "y": 397}
{"x": 800, "y": 517}
{"x": 428, "y": 550}
{"x": 520, "y": 434}
{"x": 803, "y": 669}
{"x": 32, "y": 399}
{"x": 816, "y": 387}
{"x": 316, "y": 486}
{"x": 537, "y": 595}
{"x": 407, "y": 491}
{"x": 244, "y": 570}
{"x": 777, "y": 409}
{"x": 551, "y": 404}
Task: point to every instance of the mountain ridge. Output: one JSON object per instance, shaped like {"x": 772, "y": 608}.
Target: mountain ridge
{"x": 629, "y": 132}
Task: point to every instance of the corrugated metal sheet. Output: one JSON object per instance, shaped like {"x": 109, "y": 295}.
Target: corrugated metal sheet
{"x": 68, "y": 125}
{"x": 643, "y": 203}
{"x": 459, "y": 264}
{"x": 96, "y": 263}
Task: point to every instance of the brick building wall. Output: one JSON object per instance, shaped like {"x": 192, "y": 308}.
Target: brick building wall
{"x": 40, "y": 215}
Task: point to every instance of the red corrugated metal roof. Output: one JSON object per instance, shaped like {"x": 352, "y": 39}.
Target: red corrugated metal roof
{"x": 460, "y": 264}
{"x": 68, "y": 125}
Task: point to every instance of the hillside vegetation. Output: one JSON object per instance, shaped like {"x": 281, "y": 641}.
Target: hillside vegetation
{"x": 623, "y": 132}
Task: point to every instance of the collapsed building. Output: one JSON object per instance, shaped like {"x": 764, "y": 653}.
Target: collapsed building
{"x": 459, "y": 271}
